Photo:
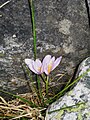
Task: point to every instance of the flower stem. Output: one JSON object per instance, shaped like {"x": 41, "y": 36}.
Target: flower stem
{"x": 47, "y": 83}
{"x": 58, "y": 95}
{"x": 40, "y": 96}
{"x": 31, "y": 6}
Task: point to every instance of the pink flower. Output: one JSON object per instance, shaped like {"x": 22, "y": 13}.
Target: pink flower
{"x": 35, "y": 66}
{"x": 49, "y": 63}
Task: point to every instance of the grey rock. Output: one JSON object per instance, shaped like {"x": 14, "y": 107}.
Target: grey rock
{"x": 62, "y": 29}
{"x": 80, "y": 94}
{"x": 89, "y": 5}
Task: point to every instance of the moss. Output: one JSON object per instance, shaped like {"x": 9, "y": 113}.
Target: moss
{"x": 80, "y": 116}
{"x": 59, "y": 115}
{"x": 69, "y": 93}
{"x": 78, "y": 108}
{"x": 1, "y": 54}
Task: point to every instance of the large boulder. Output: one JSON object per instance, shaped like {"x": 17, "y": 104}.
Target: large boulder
{"x": 74, "y": 105}
{"x": 62, "y": 29}
{"x": 88, "y": 2}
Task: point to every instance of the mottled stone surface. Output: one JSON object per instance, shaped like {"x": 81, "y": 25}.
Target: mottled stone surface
{"x": 88, "y": 10}
{"x": 80, "y": 94}
{"x": 89, "y": 5}
{"x": 62, "y": 29}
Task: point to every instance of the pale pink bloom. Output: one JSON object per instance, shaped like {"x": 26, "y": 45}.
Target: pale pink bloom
{"x": 49, "y": 63}
{"x": 34, "y": 66}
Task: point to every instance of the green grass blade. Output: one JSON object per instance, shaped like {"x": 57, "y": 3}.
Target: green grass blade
{"x": 40, "y": 92}
{"x": 68, "y": 107}
{"x": 31, "y": 80}
{"x": 33, "y": 26}
{"x": 64, "y": 90}
{"x": 22, "y": 99}
{"x": 5, "y": 117}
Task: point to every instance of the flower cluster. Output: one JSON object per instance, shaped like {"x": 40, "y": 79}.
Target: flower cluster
{"x": 46, "y": 66}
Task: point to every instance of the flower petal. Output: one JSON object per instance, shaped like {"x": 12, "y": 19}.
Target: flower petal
{"x": 30, "y": 63}
{"x": 45, "y": 62}
{"x": 46, "y": 59}
{"x": 49, "y": 65}
{"x": 52, "y": 60}
{"x": 46, "y": 71}
{"x": 56, "y": 63}
{"x": 37, "y": 65}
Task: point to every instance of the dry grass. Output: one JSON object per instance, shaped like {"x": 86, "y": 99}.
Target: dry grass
{"x": 16, "y": 109}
